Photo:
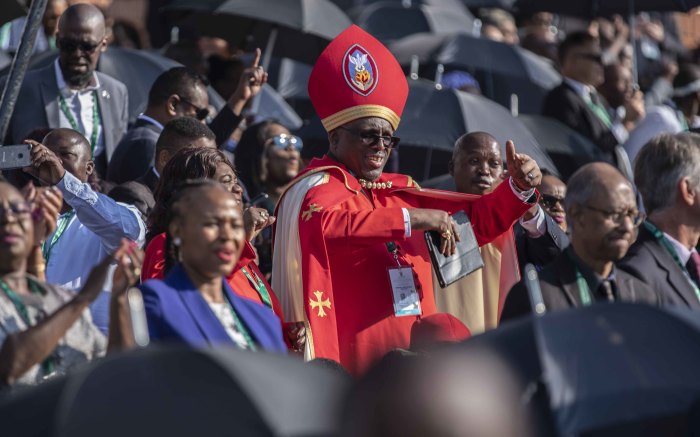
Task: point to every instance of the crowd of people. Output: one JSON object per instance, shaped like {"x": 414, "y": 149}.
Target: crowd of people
{"x": 234, "y": 240}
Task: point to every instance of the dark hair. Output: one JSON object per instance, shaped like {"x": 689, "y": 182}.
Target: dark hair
{"x": 181, "y": 132}
{"x": 173, "y": 211}
{"x": 572, "y": 41}
{"x": 188, "y": 163}
{"x": 249, "y": 152}
{"x": 177, "y": 80}
{"x": 687, "y": 74}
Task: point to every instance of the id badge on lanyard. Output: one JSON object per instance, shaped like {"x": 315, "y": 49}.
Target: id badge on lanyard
{"x": 403, "y": 289}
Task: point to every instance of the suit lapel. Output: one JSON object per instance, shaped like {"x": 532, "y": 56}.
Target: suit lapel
{"x": 568, "y": 281}
{"x": 209, "y": 326}
{"x": 589, "y": 115}
{"x": 674, "y": 275}
{"x": 104, "y": 101}
{"x": 49, "y": 96}
{"x": 249, "y": 318}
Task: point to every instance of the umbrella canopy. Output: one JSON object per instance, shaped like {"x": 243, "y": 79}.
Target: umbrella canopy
{"x": 568, "y": 149}
{"x": 501, "y": 69}
{"x": 138, "y": 69}
{"x": 185, "y": 392}
{"x": 389, "y": 21}
{"x": 303, "y": 28}
{"x": 12, "y": 9}
{"x": 597, "y": 8}
{"x": 622, "y": 367}
{"x": 434, "y": 119}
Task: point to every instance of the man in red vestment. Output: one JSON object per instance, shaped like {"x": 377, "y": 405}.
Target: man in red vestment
{"x": 350, "y": 260}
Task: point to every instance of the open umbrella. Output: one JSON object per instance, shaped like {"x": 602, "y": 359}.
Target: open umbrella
{"x": 598, "y": 8}
{"x": 138, "y": 69}
{"x": 390, "y": 21}
{"x": 183, "y": 392}
{"x": 619, "y": 369}
{"x": 501, "y": 69}
{"x": 568, "y": 149}
{"x": 434, "y": 119}
{"x": 297, "y": 29}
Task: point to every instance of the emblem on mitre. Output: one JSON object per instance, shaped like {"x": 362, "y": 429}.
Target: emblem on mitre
{"x": 360, "y": 70}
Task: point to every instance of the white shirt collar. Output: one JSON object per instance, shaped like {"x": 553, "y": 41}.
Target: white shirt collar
{"x": 63, "y": 87}
{"x": 581, "y": 89}
{"x": 682, "y": 251}
{"x": 151, "y": 120}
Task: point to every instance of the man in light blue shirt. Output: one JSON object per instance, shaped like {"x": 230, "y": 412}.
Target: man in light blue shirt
{"x": 91, "y": 225}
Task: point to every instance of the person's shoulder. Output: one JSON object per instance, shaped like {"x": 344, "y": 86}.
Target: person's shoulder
{"x": 110, "y": 82}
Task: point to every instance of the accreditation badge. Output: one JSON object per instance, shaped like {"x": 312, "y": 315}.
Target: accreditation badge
{"x": 403, "y": 288}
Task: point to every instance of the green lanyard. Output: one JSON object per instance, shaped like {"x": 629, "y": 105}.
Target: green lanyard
{"x": 682, "y": 120}
{"x": 74, "y": 124}
{"x": 584, "y": 291}
{"x": 48, "y": 364}
{"x": 259, "y": 286}
{"x": 659, "y": 235}
{"x": 5, "y": 35}
{"x": 241, "y": 327}
{"x": 63, "y": 222}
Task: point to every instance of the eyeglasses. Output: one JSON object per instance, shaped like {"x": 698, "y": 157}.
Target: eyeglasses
{"x": 16, "y": 209}
{"x": 200, "y": 113}
{"x": 550, "y": 201}
{"x": 69, "y": 45}
{"x": 283, "y": 141}
{"x": 595, "y": 57}
{"x": 617, "y": 217}
{"x": 369, "y": 139}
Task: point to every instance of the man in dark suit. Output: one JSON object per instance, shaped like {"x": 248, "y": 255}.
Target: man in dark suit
{"x": 179, "y": 92}
{"x": 667, "y": 172}
{"x": 575, "y": 101}
{"x": 602, "y": 214}
{"x": 70, "y": 93}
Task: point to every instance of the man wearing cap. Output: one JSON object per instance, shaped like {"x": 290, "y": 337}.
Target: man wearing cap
{"x": 350, "y": 262}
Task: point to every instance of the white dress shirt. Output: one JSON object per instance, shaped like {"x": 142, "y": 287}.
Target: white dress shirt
{"x": 682, "y": 251}
{"x": 95, "y": 231}
{"x": 80, "y": 103}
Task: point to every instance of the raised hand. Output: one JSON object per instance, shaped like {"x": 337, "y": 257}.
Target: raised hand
{"x": 46, "y": 166}
{"x": 46, "y": 203}
{"x": 129, "y": 260}
{"x": 523, "y": 169}
{"x": 252, "y": 80}
{"x": 255, "y": 220}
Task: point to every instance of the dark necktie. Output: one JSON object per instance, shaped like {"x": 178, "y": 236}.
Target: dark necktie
{"x": 605, "y": 289}
{"x": 693, "y": 266}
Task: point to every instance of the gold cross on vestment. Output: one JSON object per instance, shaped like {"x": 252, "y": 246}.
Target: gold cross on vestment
{"x": 319, "y": 303}
{"x": 306, "y": 215}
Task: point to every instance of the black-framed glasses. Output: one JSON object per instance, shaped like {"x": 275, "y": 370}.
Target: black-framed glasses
{"x": 16, "y": 209}
{"x": 70, "y": 45}
{"x": 595, "y": 57}
{"x": 200, "y": 113}
{"x": 283, "y": 141}
{"x": 550, "y": 201}
{"x": 369, "y": 139}
{"x": 617, "y": 217}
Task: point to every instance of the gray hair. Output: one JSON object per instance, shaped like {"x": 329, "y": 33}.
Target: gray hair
{"x": 661, "y": 164}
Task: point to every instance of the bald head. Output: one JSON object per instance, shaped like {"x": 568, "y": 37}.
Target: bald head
{"x": 593, "y": 179}
{"x": 74, "y": 151}
{"x": 84, "y": 15}
{"x": 476, "y": 163}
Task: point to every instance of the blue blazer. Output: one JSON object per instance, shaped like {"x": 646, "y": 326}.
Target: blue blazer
{"x": 177, "y": 312}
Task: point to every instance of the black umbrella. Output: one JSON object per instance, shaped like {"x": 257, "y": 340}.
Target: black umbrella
{"x": 568, "y": 149}
{"x": 389, "y": 21}
{"x": 183, "y": 392}
{"x": 501, "y": 69}
{"x": 138, "y": 69}
{"x": 434, "y": 119}
{"x": 618, "y": 369}
{"x": 12, "y": 9}
{"x": 297, "y": 29}
{"x": 597, "y": 8}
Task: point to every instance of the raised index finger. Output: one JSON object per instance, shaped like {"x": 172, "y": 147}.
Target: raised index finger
{"x": 511, "y": 156}
{"x": 256, "y": 61}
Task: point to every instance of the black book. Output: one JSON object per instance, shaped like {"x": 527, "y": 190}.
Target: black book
{"x": 466, "y": 259}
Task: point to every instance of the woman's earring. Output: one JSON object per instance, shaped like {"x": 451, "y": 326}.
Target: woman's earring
{"x": 177, "y": 241}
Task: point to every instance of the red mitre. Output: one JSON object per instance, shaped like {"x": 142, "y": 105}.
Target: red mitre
{"x": 357, "y": 77}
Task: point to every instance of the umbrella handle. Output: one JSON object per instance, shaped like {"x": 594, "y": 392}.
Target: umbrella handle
{"x": 532, "y": 283}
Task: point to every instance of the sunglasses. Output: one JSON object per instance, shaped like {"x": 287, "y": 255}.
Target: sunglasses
{"x": 69, "y": 45}
{"x": 550, "y": 201}
{"x": 200, "y": 113}
{"x": 283, "y": 141}
{"x": 371, "y": 140}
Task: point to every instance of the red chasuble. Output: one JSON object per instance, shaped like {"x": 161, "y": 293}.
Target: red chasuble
{"x": 331, "y": 257}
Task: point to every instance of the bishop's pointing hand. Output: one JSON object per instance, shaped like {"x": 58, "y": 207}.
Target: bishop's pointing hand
{"x": 524, "y": 170}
